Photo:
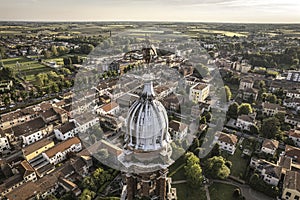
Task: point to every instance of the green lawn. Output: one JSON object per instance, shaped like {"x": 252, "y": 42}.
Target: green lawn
{"x": 185, "y": 192}
{"x": 176, "y": 170}
{"x": 239, "y": 164}
{"x": 220, "y": 191}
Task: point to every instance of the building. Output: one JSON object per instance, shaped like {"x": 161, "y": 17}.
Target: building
{"x": 151, "y": 141}
{"x": 4, "y": 142}
{"x": 291, "y": 185}
{"x": 227, "y": 142}
{"x": 111, "y": 108}
{"x": 32, "y": 151}
{"x": 178, "y": 130}
{"x": 66, "y": 131}
{"x": 293, "y": 153}
{"x": 294, "y": 135}
{"x": 269, "y": 146}
{"x": 199, "y": 92}
{"x": 293, "y": 76}
{"x": 244, "y": 122}
{"x": 59, "y": 152}
{"x": 293, "y": 120}
{"x": 246, "y": 82}
{"x": 32, "y": 131}
{"x": 269, "y": 172}
{"x": 271, "y": 109}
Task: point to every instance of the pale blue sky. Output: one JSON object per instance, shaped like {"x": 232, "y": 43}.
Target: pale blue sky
{"x": 276, "y": 11}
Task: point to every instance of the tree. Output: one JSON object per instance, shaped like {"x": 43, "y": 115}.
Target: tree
{"x": 203, "y": 120}
{"x": 216, "y": 151}
{"x": 54, "y": 51}
{"x": 86, "y": 48}
{"x": 62, "y": 50}
{"x": 193, "y": 170}
{"x": 47, "y": 54}
{"x": 270, "y": 127}
{"x": 245, "y": 109}
{"x": 177, "y": 151}
{"x": 233, "y": 110}
{"x": 54, "y": 87}
{"x": 87, "y": 195}
{"x": 272, "y": 98}
{"x": 254, "y": 129}
{"x": 228, "y": 93}
{"x": 215, "y": 167}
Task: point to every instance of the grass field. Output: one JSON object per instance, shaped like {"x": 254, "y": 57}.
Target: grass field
{"x": 220, "y": 191}
{"x": 176, "y": 171}
{"x": 239, "y": 164}
{"x": 185, "y": 192}
{"x": 28, "y": 68}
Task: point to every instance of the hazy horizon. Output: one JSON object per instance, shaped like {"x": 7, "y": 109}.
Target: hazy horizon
{"x": 222, "y": 11}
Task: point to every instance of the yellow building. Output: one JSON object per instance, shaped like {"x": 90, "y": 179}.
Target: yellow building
{"x": 199, "y": 92}
{"x": 35, "y": 149}
{"x": 291, "y": 185}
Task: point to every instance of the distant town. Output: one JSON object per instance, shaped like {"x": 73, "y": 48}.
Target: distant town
{"x": 66, "y": 90}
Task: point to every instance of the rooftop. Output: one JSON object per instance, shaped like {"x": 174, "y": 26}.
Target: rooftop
{"x": 62, "y": 146}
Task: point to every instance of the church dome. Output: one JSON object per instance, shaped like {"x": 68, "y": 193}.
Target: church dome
{"x": 147, "y": 123}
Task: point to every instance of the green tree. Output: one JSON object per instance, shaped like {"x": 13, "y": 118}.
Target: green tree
{"x": 54, "y": 51}
{"x": 47, "y": 54}
{"x": 215, "y": 167}
{"x": 254, "y": 129}
{"x": 270, "y": 127}
{"x": 245, "y": 109}
{"x": 193, "y": 170}
{"x": 233, "y": 110}
{"x": 228, "y": 93}
{"x": 87, "y": 195}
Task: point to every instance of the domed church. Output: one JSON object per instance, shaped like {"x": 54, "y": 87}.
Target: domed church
{"x": 147, "y": 151}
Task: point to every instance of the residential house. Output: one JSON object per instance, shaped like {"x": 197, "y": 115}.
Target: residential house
{"x": 111, "y": 108}
{"x": 246, "y": 82}
{"x": 178, "y": 130}
{"x": 269, "y": 146}
{"x": 66, "y": 131}
{"x": 199, "y": 92}
{"x": 59, "y": 152}
{"x": 271, "y": 109}
{"x": 244, "y": 122}
{"x": 293, "y": 120}
{"x": 86, "y": 121}
{"x": 291, "y": 186}
{"x": 269, "y": 172}
{"x": 293, "y": 103}
{"x": 54, "y": 114}
{"x": 293, "y": 94}
{"x": 294, "y": 134}
{"x": 173, "y": 102}
{"x": 33, "y": 150}
{"x": 293, "y": 153}
{"x": 32, "y": 131}
{"x": 4, "y": 141}
{"x": 227, "y": 142}
{"x": 127, "y": 100}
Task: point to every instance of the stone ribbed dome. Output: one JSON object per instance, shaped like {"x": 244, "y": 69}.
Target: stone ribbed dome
{"x": 147, "y": 122}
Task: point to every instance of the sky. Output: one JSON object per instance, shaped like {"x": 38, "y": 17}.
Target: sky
{"x": 249, "y": 11}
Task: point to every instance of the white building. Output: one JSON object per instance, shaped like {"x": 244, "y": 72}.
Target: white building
{"x": 244, "y": 122}
{"x": 269, "y": 172}
{"x": 66, "y": 131}
{"x": 199, "y": 92}
{"x": 245, "y": 83}
{"x": 227, "y": 142}
{"x": 32, "y": 131}
{"x": 86, "y": 121}
{"x": 4, "y": 144}
{"x": 271, "y": 109}
{"x": 111, "y": 108}
{"x": 58, "y": 153}
{"x": 293, "y": 94}
{"x": 294, "y": 135}
{"x": 178, "y": 130}
{"x": 269, "y": 146}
